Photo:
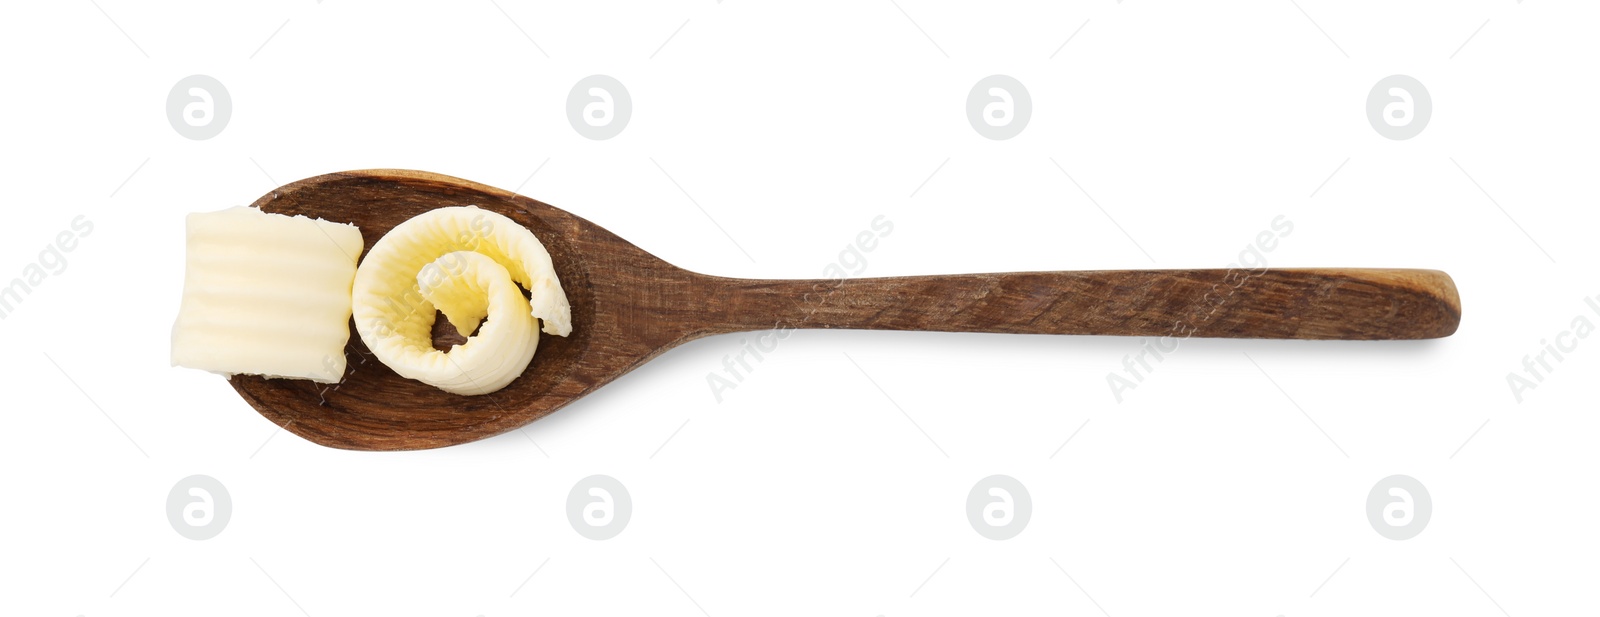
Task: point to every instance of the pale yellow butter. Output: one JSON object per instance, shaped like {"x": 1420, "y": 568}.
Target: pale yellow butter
{"x": 467, "y": 263}
{"x": 266, "y": 294}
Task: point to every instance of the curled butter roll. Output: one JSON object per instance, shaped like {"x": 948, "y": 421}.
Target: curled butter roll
{"x": 466, "y": 263}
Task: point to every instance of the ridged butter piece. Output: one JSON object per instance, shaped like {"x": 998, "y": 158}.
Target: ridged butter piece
{"x": 266, "y": 294}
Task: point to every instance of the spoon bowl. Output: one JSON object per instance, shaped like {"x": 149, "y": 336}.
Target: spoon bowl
{"x": 372, "y": 408}
{"x": 629, "y": 306}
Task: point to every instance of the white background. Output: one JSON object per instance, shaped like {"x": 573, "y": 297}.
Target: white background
{"x": 1233, "y": 480}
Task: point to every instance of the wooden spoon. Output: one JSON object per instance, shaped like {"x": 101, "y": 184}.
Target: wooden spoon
{"x": 629, "y": 306}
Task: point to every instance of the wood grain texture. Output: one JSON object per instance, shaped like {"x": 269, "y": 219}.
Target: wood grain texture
{"x": 629, "y": 307}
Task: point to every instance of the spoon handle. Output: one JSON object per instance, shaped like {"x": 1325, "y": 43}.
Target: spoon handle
{"x": 1321, "y": 303}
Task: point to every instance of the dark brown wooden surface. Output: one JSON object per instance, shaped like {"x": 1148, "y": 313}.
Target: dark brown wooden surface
{"x": 628, "y": 307}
